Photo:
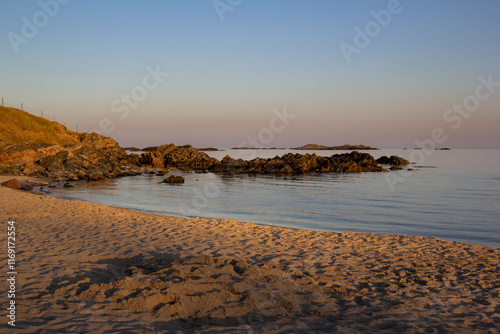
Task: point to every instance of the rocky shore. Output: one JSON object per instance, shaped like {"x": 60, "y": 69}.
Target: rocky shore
{"x": 93, "y": 157}
{"x": 34, "y": 146}
{"x": 97, "y": 157}
{"x": 189, "y": 158}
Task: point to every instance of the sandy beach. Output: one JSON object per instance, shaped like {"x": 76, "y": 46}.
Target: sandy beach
{"x": 88, "y": 268}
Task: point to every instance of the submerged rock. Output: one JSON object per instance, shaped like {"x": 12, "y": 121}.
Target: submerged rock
{"x": 393, "y": 161}
{"x": 172, "y": 179}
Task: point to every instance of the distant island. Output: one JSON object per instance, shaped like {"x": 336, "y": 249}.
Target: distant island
{"x": 346, "y": 147}
{"x": 34, "y": 146}
{"x": 210, "y": 149}
{"x": 132, "y": 149}
{"x": 154, "y": 148}
{"x": 256, "y": 148}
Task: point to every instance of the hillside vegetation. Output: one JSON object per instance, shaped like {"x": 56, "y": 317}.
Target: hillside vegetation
{"x": 17, "y": 126}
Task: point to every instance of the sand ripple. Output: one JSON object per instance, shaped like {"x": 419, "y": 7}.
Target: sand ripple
{"x": 86, "y": 268}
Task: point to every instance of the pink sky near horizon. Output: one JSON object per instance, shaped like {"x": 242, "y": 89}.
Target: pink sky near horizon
{"x": 226, "y": 76}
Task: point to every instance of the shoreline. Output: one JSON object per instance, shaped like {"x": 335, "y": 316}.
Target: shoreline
{"x": 92, "y": 268}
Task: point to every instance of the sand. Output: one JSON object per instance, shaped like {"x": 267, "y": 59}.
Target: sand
{"x": 88, "y": 268}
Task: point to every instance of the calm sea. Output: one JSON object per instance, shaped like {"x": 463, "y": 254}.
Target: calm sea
{"x": 454, "y": 195}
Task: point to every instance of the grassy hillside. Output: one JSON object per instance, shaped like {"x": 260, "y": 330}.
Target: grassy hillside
{"x": 17, "y": 126}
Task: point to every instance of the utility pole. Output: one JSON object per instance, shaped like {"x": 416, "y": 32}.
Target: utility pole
{"x": 2, "y": 101}
{"x": 54, "y": 118}
{"x": 21, "y": 106}
{"x": 77, "y": 128}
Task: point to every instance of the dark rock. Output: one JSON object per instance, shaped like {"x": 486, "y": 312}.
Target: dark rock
{"x": 55, "y": 161}
{"x": 145, "y": 159}
{"x": 187, "y": 157}
{"x": 393, "y": 161}
{"x": 134, "y": 159}
{"x": 13, "y": 183}
{"x": 290, "y": 163}
{"x": 172, "y": 179}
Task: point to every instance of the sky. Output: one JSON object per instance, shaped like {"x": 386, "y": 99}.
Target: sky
{"x": 261, "y": 73}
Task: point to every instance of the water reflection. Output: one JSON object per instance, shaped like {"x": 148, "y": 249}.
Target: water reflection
{"x": 452, "y": 203}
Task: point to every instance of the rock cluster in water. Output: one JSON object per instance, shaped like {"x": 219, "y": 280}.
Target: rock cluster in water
{"x": 55, "y": 152}
{"x": 189, "y": 158}
{"x": 96, "y": 157}
{"x": 182, "y": 157}
{"x": 290, "y": 163}
{"x": 393, "y": 161}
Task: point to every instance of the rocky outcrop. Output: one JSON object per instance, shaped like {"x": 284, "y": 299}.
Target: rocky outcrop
{"x": 94, "y": 157}
{"x": 339, "y": 148}
{"x": 189, "y": 158}
{"x": 353, "y": 162}
{"x": 183, "y": 157}
{"x": 393, "y": 161}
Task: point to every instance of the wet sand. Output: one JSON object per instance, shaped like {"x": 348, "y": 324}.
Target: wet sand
{"x": 88, "y": 268}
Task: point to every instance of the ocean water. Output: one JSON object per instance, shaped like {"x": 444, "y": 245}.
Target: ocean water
{"x": 452, "y": 195}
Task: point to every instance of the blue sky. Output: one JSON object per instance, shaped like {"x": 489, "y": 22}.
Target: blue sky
{"x": 225, "y": 77}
